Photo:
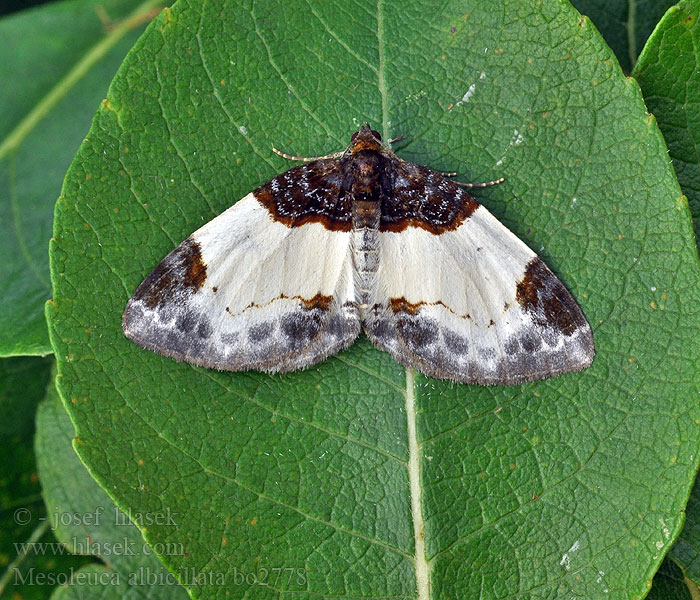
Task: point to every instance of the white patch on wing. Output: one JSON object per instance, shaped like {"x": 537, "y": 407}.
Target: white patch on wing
{"x": 473, "y": 269}
{"x": 274, "y": 297}
{"x": 449, "y": 305}
{"x": 253, "y": 259}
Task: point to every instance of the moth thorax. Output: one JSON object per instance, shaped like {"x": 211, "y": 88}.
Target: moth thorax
{"x": 366, "y": 171}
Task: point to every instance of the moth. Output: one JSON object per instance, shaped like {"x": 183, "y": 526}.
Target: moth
{"x": 361, "y": 240}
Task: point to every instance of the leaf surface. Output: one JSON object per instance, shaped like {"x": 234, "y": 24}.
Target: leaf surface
{"x": 356, "y": 478}
{"x": 87, "y": 522}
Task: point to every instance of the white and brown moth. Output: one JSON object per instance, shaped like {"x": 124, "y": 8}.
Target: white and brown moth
{"x": 361, "y": 241}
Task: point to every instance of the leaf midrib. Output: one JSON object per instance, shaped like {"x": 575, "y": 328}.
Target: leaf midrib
{"x": 421, "y": 566}
{"x": 381, "y": 80}
{"x": 15, "y": 138}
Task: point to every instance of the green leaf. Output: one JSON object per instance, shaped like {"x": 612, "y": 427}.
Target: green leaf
{"x": 669, "y": 584}
{"x": 625, "y": 24}
{"x": 686, "y": 550}
{"x": 356, "y": 478}
{"x": 86, "y": 521}
{"x": 23, "y": 524}
{"x": 669, "y": 77}
{"x": 61, "y": 58}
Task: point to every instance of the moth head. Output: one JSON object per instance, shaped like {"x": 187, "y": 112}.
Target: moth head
{"x": 366, "y": 130}
{"x": 365, "y": 139}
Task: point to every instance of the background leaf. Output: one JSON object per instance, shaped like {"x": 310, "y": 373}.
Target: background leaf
{"x": 669, "y": 77}
{"x": 625, "y": 24}
{"x": 686, "y": 550}
{"x": 669, "y": 584}
{"x": 86, "y": 521}
{"x": 521, "y": 488}
{"x": 56, "y": 64}
{"x": 22, "y": 513}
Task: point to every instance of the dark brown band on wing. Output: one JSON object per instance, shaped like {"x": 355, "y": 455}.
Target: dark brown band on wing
{"x": 542, "y": 295}
{"x": 311, "y": 193}
{"x": 318, "y": 302}
{"x": 401, "y": 305}
{"x": 324, "y": 191}
{"x": 183, "y": 270}
{"x": 415, "y": 196}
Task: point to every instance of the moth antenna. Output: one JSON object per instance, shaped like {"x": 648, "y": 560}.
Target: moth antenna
{"x": 480, "y": 185}
{"x": 307, "y": 158}
{"x": 397, "y": 139}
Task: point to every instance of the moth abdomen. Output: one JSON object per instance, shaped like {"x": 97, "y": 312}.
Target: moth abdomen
{"x": 365, "y": 249}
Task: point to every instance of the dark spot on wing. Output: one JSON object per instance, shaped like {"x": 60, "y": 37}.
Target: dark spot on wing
{"x": 403, "y": 305}
{"x": 336, "y": 326}
{"x": 299, "y": 328}
{"x": 158, "y": 290}
{"x": 382, "y": 328}
{"x": 454, "y": 343}
{"x": 260, "y": 332}
{"x": 418, "y": 332}
{"x": 196, "y": 272}
{"x": 530, "y": 341}
{"x": 486, "y": 353}
{"x": 186, "y": 321}
{"x": 230, "y": 339}
{"x": 204, "y": 330}
{"x": 319, "y": 302}
{"x": 546, "y": 299}
{"x": 182, "y": 271}
{"x": 512, "y": 346}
